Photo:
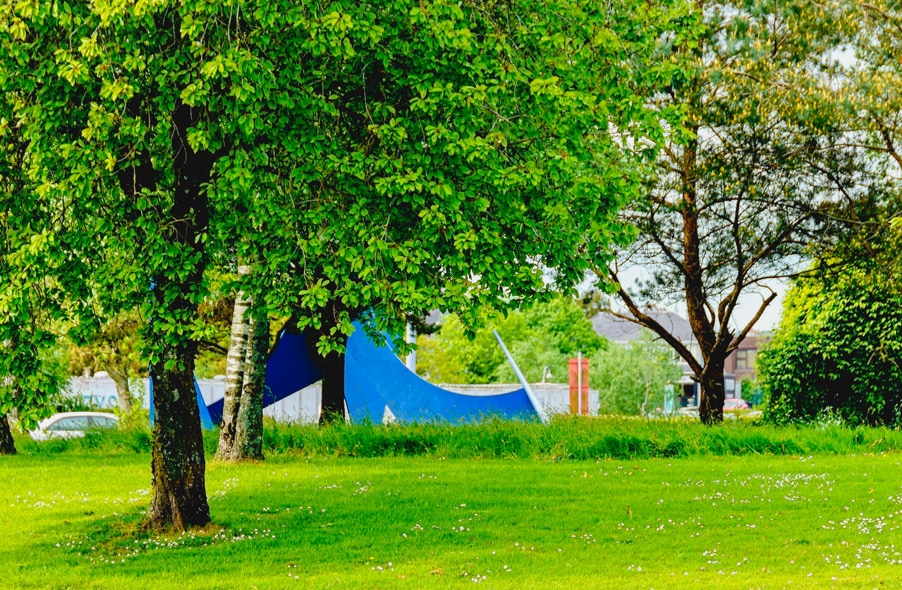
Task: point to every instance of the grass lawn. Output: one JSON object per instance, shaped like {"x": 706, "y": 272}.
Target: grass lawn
{"x": 70, "y": 520}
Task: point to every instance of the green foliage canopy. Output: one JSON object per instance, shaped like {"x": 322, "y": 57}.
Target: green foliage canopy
{"x": 454, "y": 143}
{"x": 356, "y": 155}
{"x": 760, "y": 169}
{"x": 467, "y": 150}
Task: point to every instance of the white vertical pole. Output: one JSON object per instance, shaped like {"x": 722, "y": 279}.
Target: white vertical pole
{"x": 579, "y": 383}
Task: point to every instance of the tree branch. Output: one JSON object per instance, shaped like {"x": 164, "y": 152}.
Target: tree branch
{"x": 642, "y": 319}
{"x": 737, "y": 340}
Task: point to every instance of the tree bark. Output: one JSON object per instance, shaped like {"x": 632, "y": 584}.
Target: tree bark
{"x": 234, "y": 375}
{"x": 178, "y": 464}
{"x": 123, "y": 391}
{"x": 710, "y": 409}
{"x": 7, "y": 444}
{"x": 249, "y": 431}
{"x": 332, "y": 365}
{"x": 713, "y": 355}
{"x": 333, "y": 388}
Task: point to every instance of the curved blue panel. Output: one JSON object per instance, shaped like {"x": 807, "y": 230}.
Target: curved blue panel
{"x": 376, "y": 378}
{"x": 288, "y": 369}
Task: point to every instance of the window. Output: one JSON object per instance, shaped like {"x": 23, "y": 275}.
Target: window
{"x": 745, "y": 359}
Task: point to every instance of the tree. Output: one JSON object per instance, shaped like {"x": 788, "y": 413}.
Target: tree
{"x": 241, "y": 435}
{"x": 360, "y": 156}
{"x": 7, "y": 444}
{"x": 872, "y": 107}
{"x": 115, "y": 348}
{"x": 749, "y": 181}
{"x": 30, "y": 303}
{"x": 837, "y": 351}
{"x": 117, "y": 148}
{"x": 452, "y": 356}
{"x": 234, "y": 382}
{"x": 874, "y": 79}
{"x": 632, "y": 378}
{"x": 469, "y": 153}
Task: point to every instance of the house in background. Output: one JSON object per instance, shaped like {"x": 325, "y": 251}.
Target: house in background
{"x": 739, "y": 365}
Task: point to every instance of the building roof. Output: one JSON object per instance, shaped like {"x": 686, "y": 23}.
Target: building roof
{"x": 619, "y": 330}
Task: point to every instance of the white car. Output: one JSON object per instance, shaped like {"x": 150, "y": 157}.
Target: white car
{"x": 73, "y": 424}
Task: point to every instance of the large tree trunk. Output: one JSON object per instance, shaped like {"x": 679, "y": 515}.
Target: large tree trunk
{"x": 249, "y": 431}
{"x": 179, "y": 490}
{"x": 178, "y": 465}
{"x": 333, "y": 388}
{"x": 123, "y": 392}
{"x": 7, "y": 444}
{"x": 710, "y": 409}
{"x": 234, "y": 376}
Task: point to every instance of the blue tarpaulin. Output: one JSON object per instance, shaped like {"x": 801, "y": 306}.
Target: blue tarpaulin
{"x": 376, "y": 380}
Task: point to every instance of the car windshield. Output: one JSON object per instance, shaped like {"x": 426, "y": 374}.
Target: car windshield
{"x": 70, "y": 423}
{"x": 102, "y": 422}
{"x": 82, "y": 423}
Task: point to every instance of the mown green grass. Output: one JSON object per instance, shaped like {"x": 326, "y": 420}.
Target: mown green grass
{"x": 69, "y": 519}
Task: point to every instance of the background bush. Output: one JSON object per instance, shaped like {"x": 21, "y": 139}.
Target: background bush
{"x": 837, "y": 354}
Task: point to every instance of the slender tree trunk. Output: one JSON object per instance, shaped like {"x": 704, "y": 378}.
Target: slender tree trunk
{"x": 7, "y": 444}
{"x": 333, "y": 388}
{"x": 711, "y": 378}
{"x": 234, "y": 375}
{"x": 123, "y": 392}
{"x": 249, "y": 431}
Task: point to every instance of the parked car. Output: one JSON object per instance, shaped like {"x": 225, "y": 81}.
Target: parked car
{"x": 736, "y": 403}
{"x": 73, "y": 424}
{"x": 689, "y": 411}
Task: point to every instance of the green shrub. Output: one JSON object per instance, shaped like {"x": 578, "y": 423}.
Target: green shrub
{"x": 837, "y": 355}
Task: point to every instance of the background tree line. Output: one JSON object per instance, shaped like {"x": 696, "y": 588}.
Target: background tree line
{"x": 631, "y": 379}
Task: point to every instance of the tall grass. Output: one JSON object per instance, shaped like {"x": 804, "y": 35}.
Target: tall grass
{"x": 570, "y": 438}
{"x": 565, "y": 438}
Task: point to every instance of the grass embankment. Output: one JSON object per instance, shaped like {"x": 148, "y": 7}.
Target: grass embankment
{"x": 309, "y": 519}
